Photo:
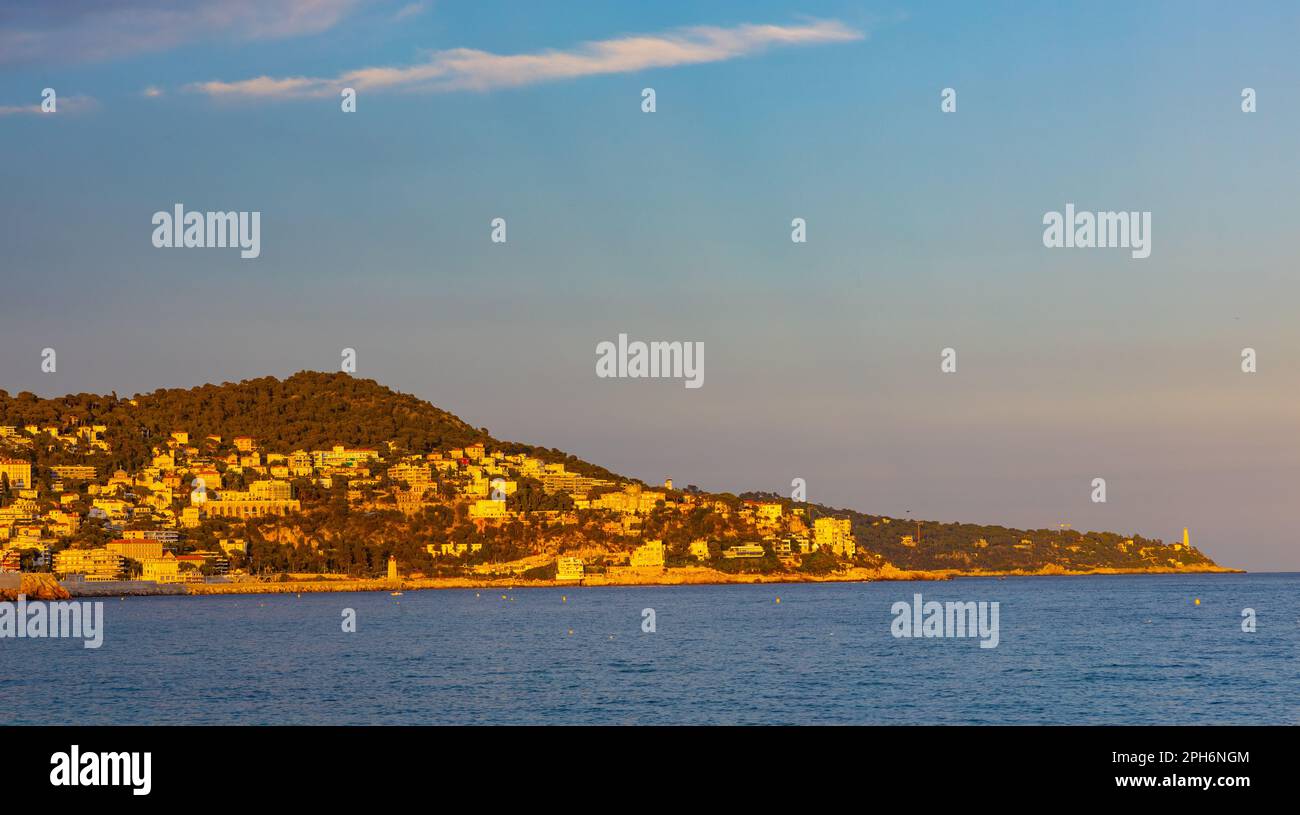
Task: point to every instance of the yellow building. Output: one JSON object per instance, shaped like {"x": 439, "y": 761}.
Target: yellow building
{"x": 569, "y": 568}
{"x": 164, "y": 569}
{"x": 632, "y": 500}
{"x": 837, "y": 533}
{"x": 648, "y": 555}
{"x": 229, "y": 545}
{"x": 270, "y": 491}
{"x": 92, "y": 564}
{"x": 341, "y": 456}
{"x": 242, "y": 507}
{"x": 700, "y": 549}
{"x": 744, "y": 550}
{"x": 487, "y": 508}
{"x": 18, "y": 471}
{"x": 140, "y": 550}
{"x": 76, "y": 472}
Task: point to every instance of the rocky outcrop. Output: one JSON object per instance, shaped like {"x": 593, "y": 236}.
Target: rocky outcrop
{"x": 36, "y": 587}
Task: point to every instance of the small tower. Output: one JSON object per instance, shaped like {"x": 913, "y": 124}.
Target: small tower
{"x": 1186, "y": 540}
{"x": 668, "y": 483}
{"x": 392, "y": 569}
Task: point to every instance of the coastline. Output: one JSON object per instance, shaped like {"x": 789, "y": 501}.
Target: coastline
{"x": 687, "y": 576}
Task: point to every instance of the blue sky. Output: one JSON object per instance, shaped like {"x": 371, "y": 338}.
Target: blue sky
{"x": 822, "y": 358}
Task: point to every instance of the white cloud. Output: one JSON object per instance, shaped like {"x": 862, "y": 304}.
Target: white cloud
{"x": 470, "y": 69}
{"x": 63, "y": 104}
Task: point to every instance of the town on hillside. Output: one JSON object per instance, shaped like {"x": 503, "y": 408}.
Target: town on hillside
{"x": 347, "y": 479}
{"x": 190, "y": 515}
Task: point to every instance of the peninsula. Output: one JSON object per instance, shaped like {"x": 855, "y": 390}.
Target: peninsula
{"x": 327, "y": 482}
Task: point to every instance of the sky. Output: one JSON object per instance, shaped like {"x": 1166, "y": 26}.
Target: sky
{"x": 822, "y": 358}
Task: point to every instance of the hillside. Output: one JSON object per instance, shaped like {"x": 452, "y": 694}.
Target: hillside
{"x": 305, "y": 411}
{"x": 422, "y": 494}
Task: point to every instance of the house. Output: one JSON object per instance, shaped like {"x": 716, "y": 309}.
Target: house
{"x": 164, "y": 569}
{"x": 17, "y": 471}
{"x": 569, "y": 568}
{"x": 648, "y": 555}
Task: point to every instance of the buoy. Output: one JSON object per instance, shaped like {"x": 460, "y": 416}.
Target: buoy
{"x": 570, "y": 632}
{"x": 563, "y": 599}
{"x": 1198, "y": 601}
{"x": 778, "y": 600}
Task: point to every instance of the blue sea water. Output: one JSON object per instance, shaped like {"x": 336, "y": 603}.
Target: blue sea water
{"x": 1072, "y": 650}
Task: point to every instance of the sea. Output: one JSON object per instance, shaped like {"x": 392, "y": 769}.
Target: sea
{"x": 1123, "y": 649}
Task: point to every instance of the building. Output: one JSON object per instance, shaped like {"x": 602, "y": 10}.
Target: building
{"x": 76, "y": 472}
{"x": 648, "y": 555}
{"x": 165, "y": 569}
{"x": 569, "y": 568}
{"x": 699, "y": 549}
{"x": 487, "y": 508}
{"x": 246, "y": 507}
{"x": 139, "y": 549}
{"x": 631, "y": 500}
{"x": 744, "y": 550}
{"x": 341, "y": 456}
{"x": 167, "y": 536}
{"x": 229, "y": 545}
{"x": 837, "y": 533}
{"x": 91, "y": 564}
{"x": 270, "y": 490}
{"x": 18, "y": 472}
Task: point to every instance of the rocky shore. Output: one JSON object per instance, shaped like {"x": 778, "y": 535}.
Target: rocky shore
{"x": 688, "y": 576}
{"x": 35, "y": 587}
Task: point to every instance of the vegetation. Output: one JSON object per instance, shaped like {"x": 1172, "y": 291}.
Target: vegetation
{"x": 333, "y": 534}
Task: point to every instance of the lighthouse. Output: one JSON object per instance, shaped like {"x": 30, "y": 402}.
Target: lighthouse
{"x": 392, "y": 569}
{"x": 1186, "y": 540}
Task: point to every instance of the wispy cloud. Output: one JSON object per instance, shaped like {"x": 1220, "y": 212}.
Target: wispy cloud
{"x": 36, "y": 31}
{"x": 411, "y": 10}
{"x": 63, "y": 104}
{"x": 469, "y": 69}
